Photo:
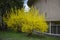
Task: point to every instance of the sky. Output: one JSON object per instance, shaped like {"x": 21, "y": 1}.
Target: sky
{"x": 26, "y": 8}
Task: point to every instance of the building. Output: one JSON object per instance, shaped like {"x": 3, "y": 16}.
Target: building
{"x": 51, "y": 10}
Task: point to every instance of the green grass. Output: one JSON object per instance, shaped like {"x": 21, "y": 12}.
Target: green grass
{"x": 23, "y": 36}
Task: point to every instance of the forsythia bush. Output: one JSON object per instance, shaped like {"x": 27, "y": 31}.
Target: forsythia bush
{"x": 25, "y": 21}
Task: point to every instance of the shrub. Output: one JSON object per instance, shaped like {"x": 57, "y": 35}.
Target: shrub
{"x": 25, "y": 21}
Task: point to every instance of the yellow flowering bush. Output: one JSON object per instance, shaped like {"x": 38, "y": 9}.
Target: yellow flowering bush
{"x": 25, "y": 21}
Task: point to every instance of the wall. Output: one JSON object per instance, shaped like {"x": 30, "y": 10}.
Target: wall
{"x": 51, "y": 9}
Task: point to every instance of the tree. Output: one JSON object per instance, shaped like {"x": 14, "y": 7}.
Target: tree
{"x": 6, "y": 5}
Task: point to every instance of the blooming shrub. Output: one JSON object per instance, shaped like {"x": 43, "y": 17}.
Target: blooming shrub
{"x": 25, "y": 21}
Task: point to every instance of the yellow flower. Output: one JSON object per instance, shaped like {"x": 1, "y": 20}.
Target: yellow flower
{"x": 27, "y": 21}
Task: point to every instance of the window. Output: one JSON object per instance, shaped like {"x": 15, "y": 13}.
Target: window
{"x": 54, "y": 28}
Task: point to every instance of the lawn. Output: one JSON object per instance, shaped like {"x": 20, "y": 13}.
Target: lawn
{"x": 23, "y": 36}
